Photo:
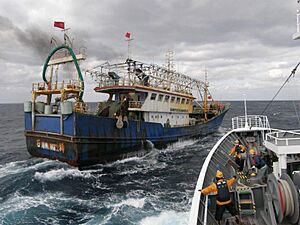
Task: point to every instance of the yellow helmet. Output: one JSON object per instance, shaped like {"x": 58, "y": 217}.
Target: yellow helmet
{"x": 219, "y": 174}
{"x": 253, "y": 174}
{"x": 236, "y": 141}
{"x": 252, "y": 151}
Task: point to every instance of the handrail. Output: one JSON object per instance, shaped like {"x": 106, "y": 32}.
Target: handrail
{"x": 258, "y": 121}
{"x": 207, "y": 212}
{"x": 71, "y": 84}
{"x": 122, "y": 81}
{"x": 284, "y": 140}
{"x": 135, "y": 104}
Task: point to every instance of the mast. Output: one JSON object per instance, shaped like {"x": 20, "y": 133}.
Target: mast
{"x": 170, "y": 66}
{"x": 128, "y": 39}
{"x": 297, "y": 34}
{"x": 246, "y": 115}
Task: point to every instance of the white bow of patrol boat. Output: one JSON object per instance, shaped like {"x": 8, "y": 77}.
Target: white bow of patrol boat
{"x": 268, "y": 198}
{"x": 265, "y": 196}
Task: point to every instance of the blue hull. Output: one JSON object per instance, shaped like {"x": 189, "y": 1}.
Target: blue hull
{"x": 82, "y": 139}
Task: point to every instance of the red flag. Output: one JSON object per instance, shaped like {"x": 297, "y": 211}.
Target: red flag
{"x": 60, "y": 25}
{"x": 209, "y": 97}
{"x": 128, "y": 34}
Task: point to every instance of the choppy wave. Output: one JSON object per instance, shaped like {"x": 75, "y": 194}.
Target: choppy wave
{"x": 137, "y": 203}
{"x": 153, "y": 189}
{"x": 166, "y": 218}
{"x": 59, "y": 174}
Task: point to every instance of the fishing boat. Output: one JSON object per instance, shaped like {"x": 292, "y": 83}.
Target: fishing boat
{"x": 146, "y": 104}
{"x": 265, "y": 196}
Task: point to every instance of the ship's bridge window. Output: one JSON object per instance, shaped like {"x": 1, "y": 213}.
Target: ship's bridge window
{"x": 167, "y": 97}
{"x": 160, "y": 97}
{"x": 153, "y": 96}
{"x": 182, "y": 100}
{"x": 173, "y": 99}
{"x": 187, "y": 101}
{"x": 177, "y": 100}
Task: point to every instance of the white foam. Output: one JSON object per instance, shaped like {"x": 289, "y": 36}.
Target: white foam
{"x": 180, "y": 144}
{"x": 122, "y": 161}
{"x": 137, "y": 203}
{"x": 59, "y": 174}
{"x": 19, "y": 202}
{"x": 21, "y": 167}
{"x": 135, "y": 158}
{"x": 166, "y": 218}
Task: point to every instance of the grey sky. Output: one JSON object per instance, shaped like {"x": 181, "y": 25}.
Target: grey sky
{"x": 245, "y": 45}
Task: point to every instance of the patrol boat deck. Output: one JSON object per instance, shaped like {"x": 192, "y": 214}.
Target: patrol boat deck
{"x": 269, "y": 198}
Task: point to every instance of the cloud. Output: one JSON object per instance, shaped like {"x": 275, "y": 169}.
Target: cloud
{"x": 32, "y": 37}
{"x": 244, "y": 45}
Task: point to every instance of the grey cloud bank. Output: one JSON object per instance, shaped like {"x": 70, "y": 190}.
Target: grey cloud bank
{"x": 245, "y": 45}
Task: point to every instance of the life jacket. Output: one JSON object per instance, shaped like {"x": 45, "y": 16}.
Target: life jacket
{"x": 223, "y": 194}
{"x": 238, "y": 149}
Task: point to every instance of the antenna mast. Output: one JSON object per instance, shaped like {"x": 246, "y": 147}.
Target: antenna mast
{"x": 170, "y": 66}
{"x": 246, "y": 115}
{"x": 128, "y": 39}
{"x": 297, "y": 34}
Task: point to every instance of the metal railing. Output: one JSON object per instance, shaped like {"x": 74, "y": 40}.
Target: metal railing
{"x": 256, "y": 121}
{"x": 135, "y": 104}
{"x": 134, "y": 81}
{"x": 205, "y": 216}
{"x": 70, "y": 84}
{"x": 284, "y": 138}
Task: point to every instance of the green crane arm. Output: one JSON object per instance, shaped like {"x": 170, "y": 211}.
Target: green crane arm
{"x": 75, "y": 62}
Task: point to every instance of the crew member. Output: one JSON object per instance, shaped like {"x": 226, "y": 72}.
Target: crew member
{"x": 256, "y": 160}
{"x": 223, "y": 199}
{"x": 237, "y": 151}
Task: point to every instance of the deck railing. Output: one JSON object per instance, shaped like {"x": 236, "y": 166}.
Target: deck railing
{"x": 257, "y": 121}
{"x": 70, "y": 84}
{"x": 134, "y": 81}
{"x": 284, "y": 138}
{"x": 135, "y": 104}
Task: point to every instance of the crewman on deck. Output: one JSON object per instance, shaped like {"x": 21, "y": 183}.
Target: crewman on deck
{"x": 222, "y": 189}
{"x": 237, "y": 151}
{"x": 255, "y": 159}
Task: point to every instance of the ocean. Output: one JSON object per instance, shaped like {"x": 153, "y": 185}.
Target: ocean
{"x": 155, "y": 189}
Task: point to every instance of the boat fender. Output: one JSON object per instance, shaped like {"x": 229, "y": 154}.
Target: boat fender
{"x": 119, "y": 123}
{"x": 125, "y": 122}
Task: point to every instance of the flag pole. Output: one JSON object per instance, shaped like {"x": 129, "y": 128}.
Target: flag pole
{"x": 128, "y": 47}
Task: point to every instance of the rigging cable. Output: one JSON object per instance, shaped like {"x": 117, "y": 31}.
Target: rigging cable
{"x": 292, "y": 74}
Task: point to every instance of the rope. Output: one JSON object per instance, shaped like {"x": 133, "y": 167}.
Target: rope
{"x": 288, "y": 78}
{"x": 286, "y": 198}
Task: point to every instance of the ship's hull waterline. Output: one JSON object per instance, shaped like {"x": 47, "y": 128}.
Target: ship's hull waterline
{"x": 82, "y": 139}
